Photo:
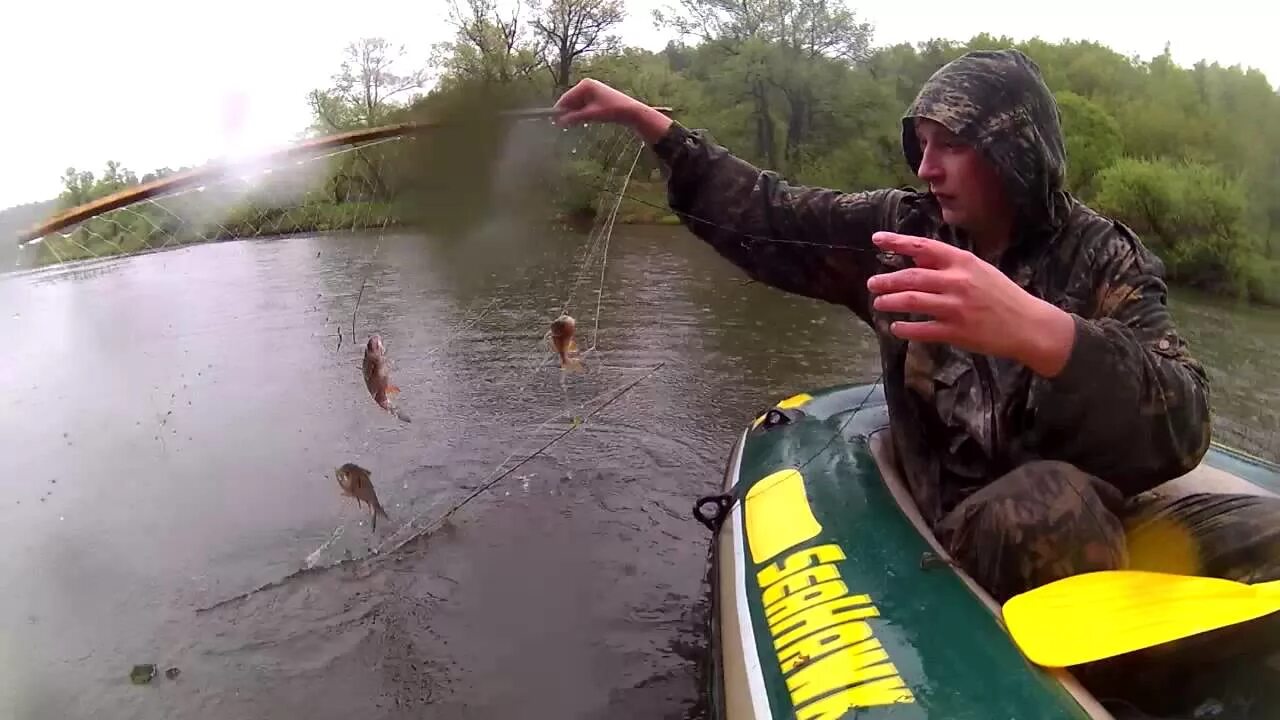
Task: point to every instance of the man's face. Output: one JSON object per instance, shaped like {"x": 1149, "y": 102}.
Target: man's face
{"x": 966, "y": 184}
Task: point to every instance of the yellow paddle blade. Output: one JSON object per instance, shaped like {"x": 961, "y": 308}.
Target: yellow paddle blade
{"x": 1097, "y": 615}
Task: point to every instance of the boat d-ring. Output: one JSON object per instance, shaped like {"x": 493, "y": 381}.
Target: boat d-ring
{"x": 721, "y": 502}
{"x": 776, "y": 416}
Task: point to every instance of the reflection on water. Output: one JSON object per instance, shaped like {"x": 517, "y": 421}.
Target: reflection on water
{"x": 175, "y": 420}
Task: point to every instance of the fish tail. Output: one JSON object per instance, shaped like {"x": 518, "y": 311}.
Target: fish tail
{"x": 573, "y": 365}
{"x": 377, "y": 510}
{"x": 400, "y": 415}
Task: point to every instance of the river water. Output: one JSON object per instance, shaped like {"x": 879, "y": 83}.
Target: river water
{"x": 172, "y": 422}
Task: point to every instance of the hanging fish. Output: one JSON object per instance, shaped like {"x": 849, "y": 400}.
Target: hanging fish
{"x": 564, "y": 344}
{"x": 355, "y": 482}
{"x": 377, "y": 376}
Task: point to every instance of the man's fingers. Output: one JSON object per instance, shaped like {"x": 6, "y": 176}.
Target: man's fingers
{"x": 911, "y": 301}
{"x": 573, "y": 104}
{"x": 574, "y": 97}
{"x": 573, "y": 117}
{"x": 926, "y": 252}
{"x": 915, "y": 278}
{"x": 931, "y": 331}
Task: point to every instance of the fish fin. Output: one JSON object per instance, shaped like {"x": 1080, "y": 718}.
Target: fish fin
{"x": 377, "y": 510}
{"x": 393, "y": 390}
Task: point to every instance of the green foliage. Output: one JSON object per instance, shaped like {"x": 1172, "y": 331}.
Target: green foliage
{"x": 364, "y": 89}
{"x": 1093, "y": 139}
{"x": 80, "y": 186}
{"x": 1188, "y": 156}
{"x": 492, "y": 45}
{"x": 1190, "y": 214}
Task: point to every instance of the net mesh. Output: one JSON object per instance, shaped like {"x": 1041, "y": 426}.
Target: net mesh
{"x": 335, "y": 189}
{"x": 536, "y": 172}
{"x": 571, "y": 174}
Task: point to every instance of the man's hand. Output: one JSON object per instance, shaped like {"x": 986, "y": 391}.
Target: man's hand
{"x": 593, "y": 101}
{"x": 974, "y": 305}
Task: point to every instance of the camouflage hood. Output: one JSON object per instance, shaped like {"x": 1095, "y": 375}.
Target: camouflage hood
{"x": 998, "y": 102}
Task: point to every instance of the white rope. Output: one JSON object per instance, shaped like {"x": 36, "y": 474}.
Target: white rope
{"x": 608, "y": 235}
{"x": 593, "y": 238}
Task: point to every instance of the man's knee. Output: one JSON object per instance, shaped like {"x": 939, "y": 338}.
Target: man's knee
{"x": 1038, "y": 495}
{"x": 1040, "y": 522}
{"x": 1228, "y": 535}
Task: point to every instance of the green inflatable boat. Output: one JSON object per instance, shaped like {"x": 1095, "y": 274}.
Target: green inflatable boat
{"x": 886, "y": 628}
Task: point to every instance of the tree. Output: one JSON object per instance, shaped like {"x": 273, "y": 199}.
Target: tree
{"x": 364, "y": 94}
{"x": 819, "y": 39}
{"x": 81, "y": 186}
{"x": 489, "y": 46}
{"x": 1191, "y": 214}
{"x": 1093, "y": 141}
{"x": 364, "y": 87}
{"x": 781, "y": 53}
{"x": 77, "y": 187}
{"x": 1189, "y": 156}
{"x": 573, "y": 28}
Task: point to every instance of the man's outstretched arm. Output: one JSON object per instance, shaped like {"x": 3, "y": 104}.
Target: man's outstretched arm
{"x": 809, "y": 241}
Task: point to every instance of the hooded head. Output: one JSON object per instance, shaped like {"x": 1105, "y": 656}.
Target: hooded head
{"x": 997, "y": 103}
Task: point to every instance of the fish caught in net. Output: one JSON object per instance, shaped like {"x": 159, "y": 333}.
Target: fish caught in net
{"x": 447, "y": 181}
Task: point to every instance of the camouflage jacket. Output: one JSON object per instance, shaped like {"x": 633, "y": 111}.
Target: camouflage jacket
{"x": 1131, "y": 405}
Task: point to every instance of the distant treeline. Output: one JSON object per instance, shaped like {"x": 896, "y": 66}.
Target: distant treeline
{"x": 1189, "y": 157}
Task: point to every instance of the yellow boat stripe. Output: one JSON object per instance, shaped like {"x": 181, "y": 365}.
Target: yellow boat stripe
{"x": 795, "y": 401}
{"x": 778, "y": 515}
{"x": 822, "y": 630}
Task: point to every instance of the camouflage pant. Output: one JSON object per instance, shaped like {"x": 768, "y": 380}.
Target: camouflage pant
{"x": 1041, "y": 522}
{"x": 1047, "y": 520}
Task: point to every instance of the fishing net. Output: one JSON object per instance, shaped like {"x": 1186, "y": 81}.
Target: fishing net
{"x": 433, "y": 176}
{"x": 464, "y": 180}
{"x": 572, "y": 179}
{"x": 321, "y": 187}
{"x": 449, "y": 177}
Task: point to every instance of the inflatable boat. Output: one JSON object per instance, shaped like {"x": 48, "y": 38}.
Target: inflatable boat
{"x": 887, "y": 626}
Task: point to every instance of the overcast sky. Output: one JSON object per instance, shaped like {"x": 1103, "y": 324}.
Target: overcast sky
{"x": 153, "y": 83}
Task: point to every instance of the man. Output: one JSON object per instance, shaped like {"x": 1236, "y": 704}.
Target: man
{"x": 1034, "y": 376}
